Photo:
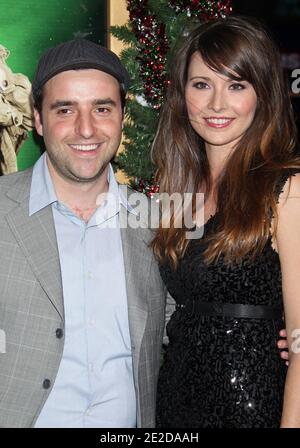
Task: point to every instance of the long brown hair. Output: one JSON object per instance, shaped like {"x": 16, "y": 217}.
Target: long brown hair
{"x": 246, "y": 190}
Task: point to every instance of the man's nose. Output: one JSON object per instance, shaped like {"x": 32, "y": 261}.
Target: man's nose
{"x": 85, "y": 125}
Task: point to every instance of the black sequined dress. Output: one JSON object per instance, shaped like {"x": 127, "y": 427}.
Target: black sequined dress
{"x": 222, "y": 371}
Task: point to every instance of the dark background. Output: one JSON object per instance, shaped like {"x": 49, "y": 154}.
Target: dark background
{"x": 282, "y": 17}
{"x": 29, "y": 27}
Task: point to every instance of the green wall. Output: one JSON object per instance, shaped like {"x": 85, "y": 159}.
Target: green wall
{"x": 28, "y": 27}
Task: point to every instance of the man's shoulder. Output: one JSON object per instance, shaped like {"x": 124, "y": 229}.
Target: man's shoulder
{"x": 15, "y": 178}
{"x": 17, "y": 182}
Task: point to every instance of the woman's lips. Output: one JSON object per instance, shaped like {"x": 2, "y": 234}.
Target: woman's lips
{"x": 220, "y": 122}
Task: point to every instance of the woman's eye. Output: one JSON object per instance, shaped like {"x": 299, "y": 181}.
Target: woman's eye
{"x": 4, "y": 83}
{"x": 237, "y": 86}
{"x": 200, "y": 85}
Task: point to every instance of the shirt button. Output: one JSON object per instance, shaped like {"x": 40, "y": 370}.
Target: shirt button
{"x": 46, "y": 383}
{"x": 92, "y": 322}
{"x": 91, "y": 367}
{"x": 89, "y": 275}
{"x": 59, "y": 333}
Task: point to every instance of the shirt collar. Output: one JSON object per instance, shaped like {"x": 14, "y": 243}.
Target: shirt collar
{"x": 118, "y": 190}
{"x": 113, "y": 200}
{"x": 42, "y": 191}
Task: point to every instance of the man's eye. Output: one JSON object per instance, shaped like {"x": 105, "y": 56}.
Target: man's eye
{"x": 64, "y": 111}
{"x": 4, "y": 83}
{"x": 102, "y": 110}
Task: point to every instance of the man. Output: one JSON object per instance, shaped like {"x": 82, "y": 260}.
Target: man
{"x": 81, "y": 302}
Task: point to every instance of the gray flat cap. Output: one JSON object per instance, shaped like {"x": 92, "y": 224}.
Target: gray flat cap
{"x": 74, "y": 54}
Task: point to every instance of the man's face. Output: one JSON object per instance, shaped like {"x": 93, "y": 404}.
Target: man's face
{"x": 81, "y": 123}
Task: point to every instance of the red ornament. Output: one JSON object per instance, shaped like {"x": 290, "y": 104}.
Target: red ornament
{"x": 148, "y": 186}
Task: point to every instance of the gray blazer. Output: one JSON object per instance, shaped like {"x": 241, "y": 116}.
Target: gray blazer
{"x": 32, "y": 309}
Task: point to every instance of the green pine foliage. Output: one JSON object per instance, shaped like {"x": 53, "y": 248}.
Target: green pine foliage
{"x": 141, "y": 119}
{"x": 123, "y": 33}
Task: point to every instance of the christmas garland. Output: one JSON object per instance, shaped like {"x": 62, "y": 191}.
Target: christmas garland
{"x": 206, "y": 10}
{"x": 152, "y": 47}
{"x": 153, "y": 43}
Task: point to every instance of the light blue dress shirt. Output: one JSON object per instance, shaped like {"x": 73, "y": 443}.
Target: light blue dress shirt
{"x": 94, "y": 385}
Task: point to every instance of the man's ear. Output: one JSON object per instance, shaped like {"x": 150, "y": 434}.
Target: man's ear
{"x": 38, "y": 122}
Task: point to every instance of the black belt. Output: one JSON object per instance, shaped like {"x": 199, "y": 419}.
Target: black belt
{"x": 233, "y": 310}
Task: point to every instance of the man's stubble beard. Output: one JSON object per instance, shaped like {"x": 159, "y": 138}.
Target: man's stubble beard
{"x": 69, "y": 175}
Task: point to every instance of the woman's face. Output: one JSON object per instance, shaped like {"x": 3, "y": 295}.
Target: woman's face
{"x": 220, "y": 110}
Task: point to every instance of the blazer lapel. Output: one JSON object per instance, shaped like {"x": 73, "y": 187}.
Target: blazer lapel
{"x": 137, "y": 265}
{"x": 37, "y": 239}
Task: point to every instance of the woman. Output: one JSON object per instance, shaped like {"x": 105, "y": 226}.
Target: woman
{"x": 227, "y": 131}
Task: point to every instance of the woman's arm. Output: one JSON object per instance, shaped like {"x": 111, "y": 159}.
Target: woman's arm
{"x": 288, "y": 244}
